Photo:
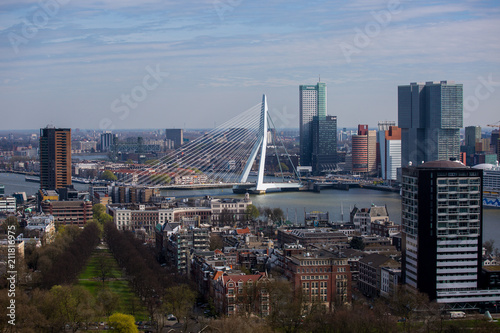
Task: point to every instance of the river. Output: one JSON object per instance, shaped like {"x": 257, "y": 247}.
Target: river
{"x": 295, "y": 203}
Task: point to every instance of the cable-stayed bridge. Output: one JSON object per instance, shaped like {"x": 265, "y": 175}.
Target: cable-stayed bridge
{"x": 223, "y": 157}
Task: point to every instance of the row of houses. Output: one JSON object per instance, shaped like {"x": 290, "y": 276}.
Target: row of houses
{"x": 225, "y": 211}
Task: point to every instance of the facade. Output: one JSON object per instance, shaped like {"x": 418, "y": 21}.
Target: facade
{"x": 382, "y": 127}
{"x": 130, "y": 194}
{"x": 204, "y": 265}
{"x": 385, "y": 228}
{"x": 390, "y": 152}
{"x": 228, "y": 210}
{"x": 134, "y": 217}
{"x": 55, "y": 158}
{"x": 364, "y": 151}
{"x": 390, "y": 278}
{"x": 364, "y": 217}
{"x": 241, "y": 294}
{"x": 430, "y": 116}
{"x": 370, "y": 274}
{"x": 8, "y": 204}
{"x": 180, "y": 244}
{"x": 76, "y": 212}
{"x": 312, "y": 103}
{"x": 324, "y": 143}
{"x": 43, "y": 227}
{"x": 176, "y": 135}
{"x": 442, "y": 231}
{"x": 320, "y": 274}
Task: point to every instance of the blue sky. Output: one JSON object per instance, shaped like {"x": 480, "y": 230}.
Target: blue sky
{"x": 192, "y": 64}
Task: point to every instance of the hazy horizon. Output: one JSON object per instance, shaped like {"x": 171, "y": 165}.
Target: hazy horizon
{"x": 137, "y": 64}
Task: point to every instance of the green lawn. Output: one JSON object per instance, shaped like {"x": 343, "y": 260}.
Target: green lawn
{"x": 90, "y": 278}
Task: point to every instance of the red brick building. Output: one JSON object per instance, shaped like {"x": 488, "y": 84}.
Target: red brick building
{"x": 320, "y": 275}
{"x": 238, "y": 294}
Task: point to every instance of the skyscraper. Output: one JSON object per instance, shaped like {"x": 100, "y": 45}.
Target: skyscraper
{"x": 390, "y": 152}
{"x": 364, "y": 150}
{"x": 472, "y": 134}
{"x": 382, "y": 127}
{"x": 55, "y": 158}
{"x": 324, "y": 134}
{"x": 430, "y": 116}
{"x": 176, "y": 135}
{"x": 312, "y": 103}
{"x": 442, "y": 221}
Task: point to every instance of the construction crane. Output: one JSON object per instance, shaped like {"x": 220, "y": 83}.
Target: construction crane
{"x": 496, "y": 125}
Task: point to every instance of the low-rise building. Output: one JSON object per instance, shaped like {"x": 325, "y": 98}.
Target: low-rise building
{"x": 364, "y": 217}
{"x": 320, "y": 274}
{"x": 384, "y": 228}
{"x": 42, "y": 227}
{"x": 8, "y": 205}
{"x": 229, "y": 210}
{"x": 76, "y": 212}
{"x": 311, "y": 237}
{"x": 241, "y": 294}
{"x": 390, "y": 278}
{"x": 133, "y": 217}
{"x": 370, "y": 276}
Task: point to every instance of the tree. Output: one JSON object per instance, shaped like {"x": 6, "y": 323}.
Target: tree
{"x": 252, "y": 212}
{"x": 104, "y": 267}
{"x": 98, "y": 210}
{"x": 108, "y": 175}
{"x": 286, "y": 306}
{"x": 100, "y": 215}
{"x": 11, "y": 224}
{"x": 108, "y": 301}
{"x": 216, "y": 242}
{"x": 73, "y": 305}
{"x": 284, "y": 167}
{"x": 238, "y": 324}
{"x": 489, "y": 247}
{"x": 357, "y": 243}
{"x": 122, "y": 323}
{"x": 179, "y": 300}
{"x": 226, "y": 217}
{"x": 277, "y": 214}
{"x": 408, "y": 304}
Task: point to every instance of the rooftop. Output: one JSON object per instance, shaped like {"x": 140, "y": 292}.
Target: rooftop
{"x": 442, "y": 164}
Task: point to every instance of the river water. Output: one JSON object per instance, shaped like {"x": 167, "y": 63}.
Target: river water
{"x": 294, "y": 204}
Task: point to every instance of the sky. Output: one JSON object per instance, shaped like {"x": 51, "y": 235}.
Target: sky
{"x": 110, "y": 64}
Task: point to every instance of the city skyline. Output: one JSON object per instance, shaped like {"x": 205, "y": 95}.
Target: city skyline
{"x": 193, "y": 65}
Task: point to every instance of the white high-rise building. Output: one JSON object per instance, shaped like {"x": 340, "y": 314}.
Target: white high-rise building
{"x": 390, "y": 152}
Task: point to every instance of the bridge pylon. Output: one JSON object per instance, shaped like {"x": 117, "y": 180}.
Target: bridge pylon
{"x": 261, "y": 144}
